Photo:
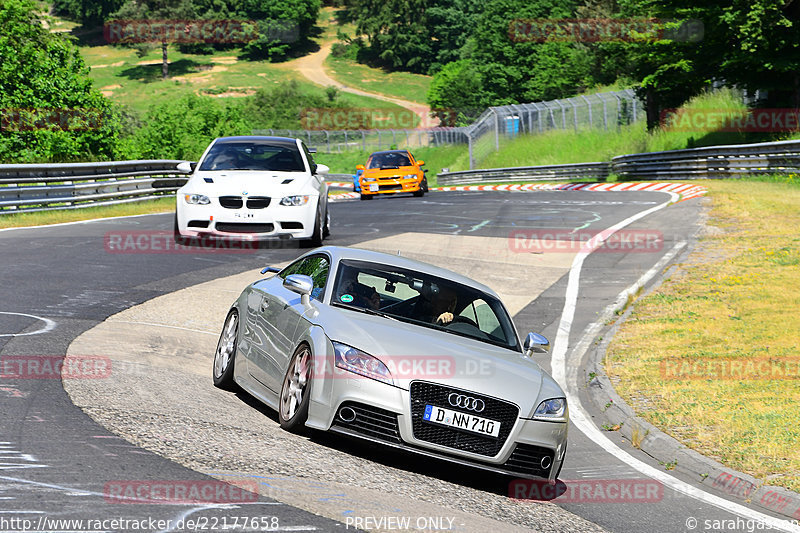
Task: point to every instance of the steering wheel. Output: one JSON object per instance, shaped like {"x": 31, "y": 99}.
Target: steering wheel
{"x": 465, "y": 320}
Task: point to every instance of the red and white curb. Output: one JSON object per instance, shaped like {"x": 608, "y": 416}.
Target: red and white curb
{"x": 686, "y": 191}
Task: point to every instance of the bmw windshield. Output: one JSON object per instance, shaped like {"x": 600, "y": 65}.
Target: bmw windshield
{"x": 253, "y": 156}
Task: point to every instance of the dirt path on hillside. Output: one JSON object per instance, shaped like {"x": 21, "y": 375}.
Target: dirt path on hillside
{"x": 312, "y": 67}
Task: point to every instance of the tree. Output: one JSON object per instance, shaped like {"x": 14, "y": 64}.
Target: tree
{"x": 183, "y": 128}
{"x": 456, "y": 93}
{"x": 48, "y": 108}
{"x": 87, "y": 12}
{"x": 413, "y": 35}
{"x": 754, "y": 44}
{"x": 156, "y": 10}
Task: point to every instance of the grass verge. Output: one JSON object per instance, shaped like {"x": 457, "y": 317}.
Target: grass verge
{"x": 405, "y": 85}
{"x": 734, "y": 301}
{"x": 569, "y": 146}
{"x": 44, "y": 218}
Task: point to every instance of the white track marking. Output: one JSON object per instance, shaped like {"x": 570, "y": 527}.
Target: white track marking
{"x": 84, "y": 221}
{"x": 582, "y": 420}
{"x": 48, "y": 325}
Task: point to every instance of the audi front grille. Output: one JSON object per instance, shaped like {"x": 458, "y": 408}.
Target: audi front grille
{"x": 423, "y": 393}
{"x": 371, "y": 422}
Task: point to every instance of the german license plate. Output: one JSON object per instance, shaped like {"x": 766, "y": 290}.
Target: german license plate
{"x": 465, "y": 421}
{"x": 373, "y": 187}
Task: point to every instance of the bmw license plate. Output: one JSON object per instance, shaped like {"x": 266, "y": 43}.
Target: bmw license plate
{"x": 373, "y": 187}
{"x": 465, "y": 421}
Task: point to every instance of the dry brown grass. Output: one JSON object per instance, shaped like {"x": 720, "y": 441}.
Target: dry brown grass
{"x": 738, "y": 298}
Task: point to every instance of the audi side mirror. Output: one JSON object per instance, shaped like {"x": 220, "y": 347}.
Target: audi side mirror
{"x": 535, "y": 343}
{"x": 301, "y": 284}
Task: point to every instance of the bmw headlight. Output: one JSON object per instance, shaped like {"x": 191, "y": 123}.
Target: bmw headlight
{"x": 358, "y": 362}
{"x": 294, "y": 200}
{"x": 410, "y": 177}
{"x": 198, "y": 199}
{"x": 551, "y": 410}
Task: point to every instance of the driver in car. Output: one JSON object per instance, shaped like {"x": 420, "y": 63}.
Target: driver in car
{"x": 443, "y": 305}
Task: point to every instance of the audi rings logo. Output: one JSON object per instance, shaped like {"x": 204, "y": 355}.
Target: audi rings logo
{"x": 466, "y": 402}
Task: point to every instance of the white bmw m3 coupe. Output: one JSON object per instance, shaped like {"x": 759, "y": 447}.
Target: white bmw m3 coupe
{"x": 254, "y": 188}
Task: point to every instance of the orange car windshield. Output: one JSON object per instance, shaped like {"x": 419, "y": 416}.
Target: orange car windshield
{"x": 389, "y": 160}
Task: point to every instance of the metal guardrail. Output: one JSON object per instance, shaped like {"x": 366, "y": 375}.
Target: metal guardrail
{"x": 598, "y": 171}
{"x": 713, "y": 162}
{"x": 53, "y": 186}
{"x": 40, "y": 187}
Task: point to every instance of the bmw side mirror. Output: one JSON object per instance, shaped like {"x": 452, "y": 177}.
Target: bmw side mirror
{"x": 535, "y": 343}
{"x": 323, "y": 169}
{"x": 301, "y": 284}
{"x": 185, "y": 167}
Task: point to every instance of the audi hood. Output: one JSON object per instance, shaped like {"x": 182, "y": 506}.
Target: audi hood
{"x": 413, "y": 352}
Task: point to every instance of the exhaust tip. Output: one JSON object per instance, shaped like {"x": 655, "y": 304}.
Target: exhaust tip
{"x": 546, "y": 462}
{"x": 347, "y": 414}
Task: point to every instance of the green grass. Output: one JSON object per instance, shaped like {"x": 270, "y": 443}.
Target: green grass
{"x": 405, "y": 85}
{"x": 43, "y": 218}
{"x": 120, "y": 74}
{"x": 560, "y": 146}
{"x": 723, "y": 304}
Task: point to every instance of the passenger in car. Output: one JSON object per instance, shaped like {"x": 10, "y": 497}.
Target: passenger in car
{"x": 363, "y": 295}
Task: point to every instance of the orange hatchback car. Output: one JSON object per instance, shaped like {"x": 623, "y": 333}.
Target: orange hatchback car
{"x": 392, "y": 172}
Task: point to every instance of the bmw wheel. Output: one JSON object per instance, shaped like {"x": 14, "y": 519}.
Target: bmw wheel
{"x": 317, "y": 237}
{"x": 225, "y": 356}
{"x": 294, "y": 400}
{"x": 179, "y": 239}
{"x": 326, "y": 231}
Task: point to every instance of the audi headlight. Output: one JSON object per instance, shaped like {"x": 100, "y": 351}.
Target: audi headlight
{"x": 551, "y": 410}
{"x": 294, "y": 200}
{"x": 358, "y": 362}
{"x": 198, "y": 199}
{"x": 410, "y": 177}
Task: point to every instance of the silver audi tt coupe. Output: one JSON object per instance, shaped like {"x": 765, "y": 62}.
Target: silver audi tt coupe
{"x": 398, "y": 352}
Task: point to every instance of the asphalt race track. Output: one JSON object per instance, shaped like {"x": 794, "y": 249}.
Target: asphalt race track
{"x": 60, "y": 283}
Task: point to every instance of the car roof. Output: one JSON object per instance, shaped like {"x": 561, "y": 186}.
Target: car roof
{"x": 280, "y": 141}
{"x": 390, "y": 152}
{"x": 359, "y": 254}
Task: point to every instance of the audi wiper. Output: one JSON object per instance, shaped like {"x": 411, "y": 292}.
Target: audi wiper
{"x": 364, "y": 310}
